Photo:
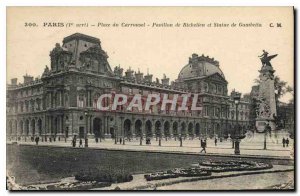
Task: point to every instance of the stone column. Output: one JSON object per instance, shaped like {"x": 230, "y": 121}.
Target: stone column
{"x": 92, "y": 125}
{"x": 24, "y": 128}
{"x": 171, "y": 129}
{"x": 46, "y": 128}
{"x": 132, "y": 130}
{"x": 50, "y": 125}
{"x": 103, "y": 127}
{"x": 153, "y": 129}
{"x": 88, "y": 125}
{"x": 36, "y": 127}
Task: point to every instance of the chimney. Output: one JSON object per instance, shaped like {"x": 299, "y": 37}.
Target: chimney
{"x": 14, "y": 81}
{"x": 139, "y": 76}
{"x": 148, "y": 78}
{"x": 165, "y": 81}
{"x": 129, "y": 73}
{"x": 27, "y": 79}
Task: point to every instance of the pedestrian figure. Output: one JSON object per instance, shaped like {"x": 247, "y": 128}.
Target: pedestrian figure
{"x": 203, "y": 145}
{"x": 80, "y": 143}
{"x": 216, "y": 141}
{"x": 287, "y": 142}
{"x": 74, "y": 143}
{"x": 120, "y": 140}
{"x": 96, "y": 140}
{"x": 180, "y": 139}
{"x": 283, "y": 142}
{"x": 37, "y": 140}
{"x": 86, "y": 144}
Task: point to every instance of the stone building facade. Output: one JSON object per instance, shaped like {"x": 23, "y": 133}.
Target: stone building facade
{"x": 62, "y": 102}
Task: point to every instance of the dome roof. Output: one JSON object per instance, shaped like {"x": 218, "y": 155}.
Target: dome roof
{"x": 200, "y": 66}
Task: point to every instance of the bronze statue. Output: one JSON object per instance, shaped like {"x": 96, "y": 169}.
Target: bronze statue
{"x": 265, "y": 58}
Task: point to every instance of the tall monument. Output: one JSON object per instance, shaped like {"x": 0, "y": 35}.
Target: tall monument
{"x": 266, "y": 103}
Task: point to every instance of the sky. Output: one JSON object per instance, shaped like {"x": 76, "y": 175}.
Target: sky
{"x": 159, "y": 49}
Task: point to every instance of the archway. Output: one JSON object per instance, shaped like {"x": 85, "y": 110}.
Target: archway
{"x": 175, "y": 129}
{"x": 167, "y": 129}
{"x": 183, "y": 129}
{"x": 32, "y": 127}
{"x": 158, "y": 128}
{"x": 10, "y": 128}
{"x": 27, "y": 127}
{"x": 197, "y": 129}
{"x": 97, "y": 126}
{"x": 40, "y": 127}
{"x": 127, "y": 128}
{"x": 138, "y": 128}
{"x": 55, "y": 126}
{"x": 21, "y": 127}
{"x": 148, "y": 127}
{"x": 16, "y": 127}
{"x": 190, "y": 129}
{"x": 218, "y": 132}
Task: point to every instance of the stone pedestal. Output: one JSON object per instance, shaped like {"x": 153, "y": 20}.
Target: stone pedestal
{"x": 266, "y": 109}
{"x": 261, "y": 123}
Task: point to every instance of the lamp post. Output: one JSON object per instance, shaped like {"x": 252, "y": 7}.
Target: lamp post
{"x": 265, "y": 140}
{"x": 85, "y": 136}
{"x": 236, "y": 136}
{"x": 266, "y": 131}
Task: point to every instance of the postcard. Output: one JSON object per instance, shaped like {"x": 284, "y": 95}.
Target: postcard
{"x": 150, "y": 98}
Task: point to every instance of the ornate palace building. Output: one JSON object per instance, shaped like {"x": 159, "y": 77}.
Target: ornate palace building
{"x": 62, "y": 102}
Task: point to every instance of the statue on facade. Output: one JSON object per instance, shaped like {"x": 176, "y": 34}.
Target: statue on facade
{"x": 265, "y": 58}
{"x": 157, "y": 81}
{"x": 118, "y": 71}
{"x": 46, "y": 71}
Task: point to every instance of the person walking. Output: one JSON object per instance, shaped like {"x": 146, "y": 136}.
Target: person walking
{"x": 37, "y": 140}
{"x": 283, "y": 142}
{"x": 287, "y": 142}
{"x": 80, "y": 143}
{"x": 216, "y": 141}
{"x": 203, "y": 146}
{"x": 74, "y": 142}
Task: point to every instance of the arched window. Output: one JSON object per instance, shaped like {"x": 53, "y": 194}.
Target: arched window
{"x": 66, "y": 100}
{"x": 80, "y": 101}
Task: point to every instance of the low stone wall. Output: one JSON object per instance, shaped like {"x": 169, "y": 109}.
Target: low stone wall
{"x": 35, "y": 164}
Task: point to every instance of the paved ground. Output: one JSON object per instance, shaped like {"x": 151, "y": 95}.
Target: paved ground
{"x": 257, "y": 181}
{"x": 248, "y": 146}
{"x": 223, "y": 179}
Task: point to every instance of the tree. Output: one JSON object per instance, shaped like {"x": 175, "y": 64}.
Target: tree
{"x": 281, "y": 88}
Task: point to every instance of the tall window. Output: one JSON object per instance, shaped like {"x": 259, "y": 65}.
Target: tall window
{"x": 81, "y": 101}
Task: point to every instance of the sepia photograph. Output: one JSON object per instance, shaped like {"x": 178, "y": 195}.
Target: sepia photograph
{"x": 150, "y": 98}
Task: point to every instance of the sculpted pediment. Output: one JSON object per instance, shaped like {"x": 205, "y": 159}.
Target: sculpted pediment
{"x": 217, "y": 77}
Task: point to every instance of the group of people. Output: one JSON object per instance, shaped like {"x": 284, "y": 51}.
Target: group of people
{"x": 285, "y": 142}
{"x": 80, "y": 142}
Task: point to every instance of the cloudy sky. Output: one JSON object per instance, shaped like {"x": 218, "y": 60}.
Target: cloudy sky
{"x": 159, "y": 49}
